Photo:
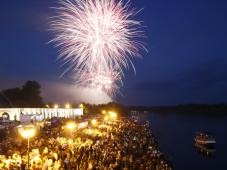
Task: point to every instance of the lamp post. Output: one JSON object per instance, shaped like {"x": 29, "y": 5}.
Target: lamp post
{"x": 81, "y": 106}
{"x": 68, "y": 106}
{"x": 106, "y": 118}
{"x": 28, "y": 132}
{"x": 94, "y": 122}
{"x": 56, "y": 106}
{"x": 71, "y": 126}
{"x": 113, "y": 115}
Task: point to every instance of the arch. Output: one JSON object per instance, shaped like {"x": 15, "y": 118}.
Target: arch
{"x": 5, "y": 116}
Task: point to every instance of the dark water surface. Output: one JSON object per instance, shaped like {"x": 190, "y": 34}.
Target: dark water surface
{"x": 175, "y": 134}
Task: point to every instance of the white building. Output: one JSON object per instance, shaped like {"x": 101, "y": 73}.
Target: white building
{"x": 21, "y": 114}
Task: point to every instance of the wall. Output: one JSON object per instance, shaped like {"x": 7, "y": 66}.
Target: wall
{"x": 41, "y": 113}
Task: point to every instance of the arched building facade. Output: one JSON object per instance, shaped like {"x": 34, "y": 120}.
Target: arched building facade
{"x": 40, "y": 113}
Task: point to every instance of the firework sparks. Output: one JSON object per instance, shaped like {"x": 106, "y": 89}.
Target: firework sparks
{"x": 98, "y": 39}
{"x": 106, "y": 81}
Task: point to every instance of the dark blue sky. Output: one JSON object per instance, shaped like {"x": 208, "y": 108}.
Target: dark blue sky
{"x": 186, "y": 62}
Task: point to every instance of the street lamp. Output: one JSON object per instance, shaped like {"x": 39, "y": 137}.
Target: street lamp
{"x": 56, "y": 106}
{"x": 106, "y": 118}
{"x": 27, "y": 132}
{"x": 67, "y": 106}
{"x": 94, "y": 122}
{"x": 71, "y": 126}
{"x": 81, "y": 106}
{"x": 113, "y": 115}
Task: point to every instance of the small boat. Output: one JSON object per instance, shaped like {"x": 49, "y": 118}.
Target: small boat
{"x": 206, "y": 150}
{"x": 205, "y": 144}
{"x": 204, "y": 139}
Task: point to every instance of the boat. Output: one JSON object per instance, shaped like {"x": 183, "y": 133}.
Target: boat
{"x": 205, "y": 144}
{"x": 206, "y": 150}
{"x": 204, "y": 139}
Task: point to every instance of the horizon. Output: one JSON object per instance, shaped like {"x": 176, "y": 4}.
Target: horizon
{"x": 51, "y": 104}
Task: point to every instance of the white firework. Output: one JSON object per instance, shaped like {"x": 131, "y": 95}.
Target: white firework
{"x": 96, "y": 37}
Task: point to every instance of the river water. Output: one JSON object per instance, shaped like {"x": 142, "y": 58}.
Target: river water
{"x": 175, "y": 134}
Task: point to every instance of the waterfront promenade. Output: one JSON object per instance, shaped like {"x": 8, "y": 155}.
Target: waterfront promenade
{"x": 103, "y": 144}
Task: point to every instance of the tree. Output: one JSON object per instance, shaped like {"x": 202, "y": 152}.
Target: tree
{"x": 13, "y": 97}
{"x": 27, "y": 96}
{"x": 31, "y": 93}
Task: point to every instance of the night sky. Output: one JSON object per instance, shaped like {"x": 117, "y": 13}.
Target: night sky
{"x": 186, "y": 62}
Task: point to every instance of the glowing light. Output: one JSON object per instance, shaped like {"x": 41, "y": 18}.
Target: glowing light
{"x": 67, "y": 106}
{"x": 56, "y": 106}
{"x": 27, "y": 133}
{"x": 98, "y": 38}
{"x": 83, "y": 125}
{"x": 113, "y": 114}
{"x": 71, "y": 125}
{"x": 81, "y": 106}
{"x": 103, "y": 112}
{"x": 106, "y": 118}
{"x": 94, "y": 122}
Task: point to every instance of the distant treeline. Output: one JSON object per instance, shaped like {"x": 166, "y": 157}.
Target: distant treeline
{"x": 29, "y": 95}
{"x": 189, "y": 109}
{"x": 98, "y": 109}
{"x": 199, "y": 109}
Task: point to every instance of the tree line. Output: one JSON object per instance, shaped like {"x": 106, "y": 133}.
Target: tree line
{"x": 29, "y": 95}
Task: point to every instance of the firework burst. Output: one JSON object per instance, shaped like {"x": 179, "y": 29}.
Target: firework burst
{"x": 108, "y": 81}
{"x": 98, "y": 38}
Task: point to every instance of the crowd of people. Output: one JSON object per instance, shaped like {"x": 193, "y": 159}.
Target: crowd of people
{"x": 107, "y": 145}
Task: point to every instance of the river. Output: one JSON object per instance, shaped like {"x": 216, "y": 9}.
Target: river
{"x": 175, "y": 134}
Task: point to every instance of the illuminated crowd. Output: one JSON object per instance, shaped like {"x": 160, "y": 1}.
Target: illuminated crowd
{"x": 104, "y": 145}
